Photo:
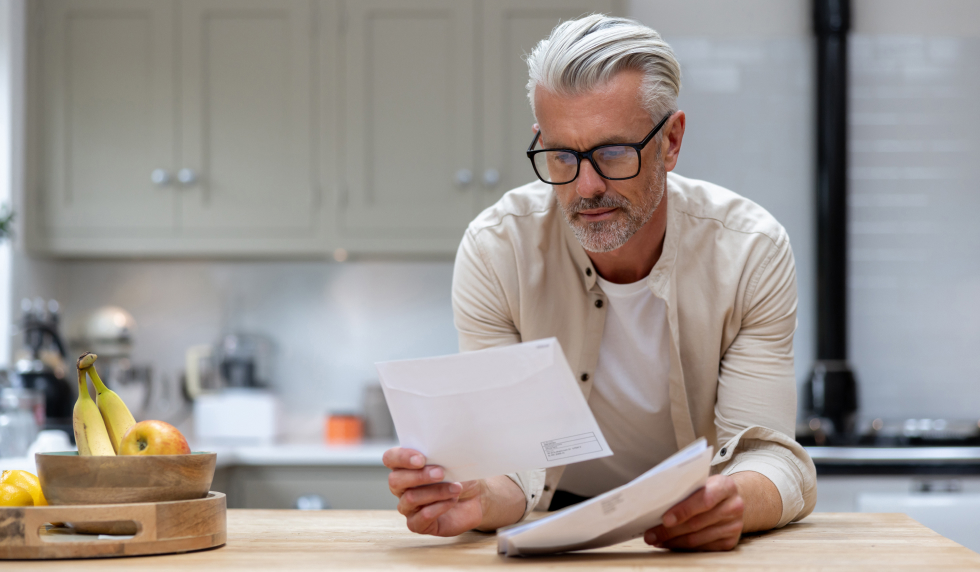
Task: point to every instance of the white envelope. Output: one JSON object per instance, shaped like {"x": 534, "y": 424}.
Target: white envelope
{"x": 492, "y": 412}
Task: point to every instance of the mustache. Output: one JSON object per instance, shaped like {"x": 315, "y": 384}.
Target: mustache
{"x": 602, "y": 201}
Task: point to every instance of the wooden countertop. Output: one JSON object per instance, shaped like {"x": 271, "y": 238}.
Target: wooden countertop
{"x": 291, "y": 541}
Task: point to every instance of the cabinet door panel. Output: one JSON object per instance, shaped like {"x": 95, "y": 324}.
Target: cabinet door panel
{"x": 109, "y": 98}
{"x": 410, "y": 119}
{"x": 513, "y": 28}
{"x": 247, "y": 130}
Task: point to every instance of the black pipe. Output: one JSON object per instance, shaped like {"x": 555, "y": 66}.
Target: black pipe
{"x": 832, "y": 390}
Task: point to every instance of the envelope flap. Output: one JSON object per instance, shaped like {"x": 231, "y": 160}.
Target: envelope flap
{"x": 471, "y": 371}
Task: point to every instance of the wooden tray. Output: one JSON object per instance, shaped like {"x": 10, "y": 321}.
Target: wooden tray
{"x": 162, "y": 528}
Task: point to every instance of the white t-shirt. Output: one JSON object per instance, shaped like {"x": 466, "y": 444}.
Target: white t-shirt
{"x": 629, "y": 398}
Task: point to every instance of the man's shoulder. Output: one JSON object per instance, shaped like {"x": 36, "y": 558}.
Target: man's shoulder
{"x": 703, "y": 202}
{"x": 521, "y": 210}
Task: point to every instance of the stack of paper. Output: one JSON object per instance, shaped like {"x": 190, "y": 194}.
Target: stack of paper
{"x": 619, "y": 515}
{"x": 492, "y": 412}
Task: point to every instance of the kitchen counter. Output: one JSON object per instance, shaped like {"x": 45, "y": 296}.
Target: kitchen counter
{"x": 896, "y": 460}
{"x": 371, "y": 540}
{"x": 283, "y": 455}
{"x": 303, "y": 455}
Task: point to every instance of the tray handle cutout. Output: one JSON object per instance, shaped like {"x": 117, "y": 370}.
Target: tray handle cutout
{"x": 144, "y": 516}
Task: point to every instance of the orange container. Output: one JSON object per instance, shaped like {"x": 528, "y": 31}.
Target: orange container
{"x": 344, "y": 429}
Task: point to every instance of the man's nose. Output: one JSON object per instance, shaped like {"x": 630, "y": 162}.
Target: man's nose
{"x": 589, "y": 183}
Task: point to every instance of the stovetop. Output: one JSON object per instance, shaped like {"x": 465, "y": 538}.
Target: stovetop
{"x": 894, "y": 433}
{"x": 905, "y": 447}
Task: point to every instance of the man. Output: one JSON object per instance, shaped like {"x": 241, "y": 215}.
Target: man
{"x": 674, "y": 299}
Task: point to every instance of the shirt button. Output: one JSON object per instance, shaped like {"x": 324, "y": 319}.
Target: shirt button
{"x": 547, "y": 488}
{"x": 588, "y": 272}
{"x": 585, "y": 377}
{"x": 598, "y": 303}
{"x": 723, "y": 451}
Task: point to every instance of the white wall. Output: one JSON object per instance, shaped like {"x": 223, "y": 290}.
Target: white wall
{"x": 914, "y": 275}
{"x": 747, "y": 77}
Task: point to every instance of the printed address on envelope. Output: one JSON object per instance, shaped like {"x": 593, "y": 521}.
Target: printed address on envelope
{"x": 573, "y": 446}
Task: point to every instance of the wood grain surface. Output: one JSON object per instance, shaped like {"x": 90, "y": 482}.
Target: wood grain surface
{"x": 160, "y": 528}
{"x": 364, "y": 540}
{"x": 72, "y": 479}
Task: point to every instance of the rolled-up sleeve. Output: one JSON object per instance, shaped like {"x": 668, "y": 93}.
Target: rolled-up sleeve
{"x": 755, "y": 412}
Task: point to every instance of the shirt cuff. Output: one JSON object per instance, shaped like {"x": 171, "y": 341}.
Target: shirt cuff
{"x": 532, "y": 484}
{"x": 775, "y": 468}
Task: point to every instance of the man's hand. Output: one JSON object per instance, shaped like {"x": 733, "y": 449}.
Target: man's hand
{"x": 709, "y": 519}
{"x": 715, "y": 516}
{"x": 447, "y": 509}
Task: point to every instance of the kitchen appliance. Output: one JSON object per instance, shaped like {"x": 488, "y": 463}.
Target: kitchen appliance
{"x": 245, "y": 360}
{"x": 110, "y": 332}
{"x": 40, "y": 364}
{"x": 228, "y": 385}
{"x": 236, "y": 417}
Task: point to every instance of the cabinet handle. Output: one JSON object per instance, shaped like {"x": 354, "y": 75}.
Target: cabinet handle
{"x": 491, "y": 177}
{"x": 464, "y": 177}
{"x": 160, "y": 177}
{"x": 186, "y": 176}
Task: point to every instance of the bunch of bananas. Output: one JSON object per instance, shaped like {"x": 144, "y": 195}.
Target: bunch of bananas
{"x": 99, "y": 425}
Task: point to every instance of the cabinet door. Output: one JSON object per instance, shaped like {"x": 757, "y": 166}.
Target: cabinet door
{"x": 512, "y": 28}
{"x": 108, "y": 117}
{"x": 410, "y": 128}
{"x": 246, "y": 118}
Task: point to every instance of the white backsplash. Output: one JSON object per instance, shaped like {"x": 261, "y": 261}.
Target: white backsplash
{"x": 330, "y": 321}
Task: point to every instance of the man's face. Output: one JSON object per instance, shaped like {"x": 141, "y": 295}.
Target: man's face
{"x": 603, "y": 214}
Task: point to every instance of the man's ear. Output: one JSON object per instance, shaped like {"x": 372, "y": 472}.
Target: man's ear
{"x": 672, "y": 139}
{"x": 535, "y": 128}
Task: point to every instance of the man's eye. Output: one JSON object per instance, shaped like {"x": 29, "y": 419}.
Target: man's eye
{"x": 614, "y": 153}
{"x": 563, "y": 158}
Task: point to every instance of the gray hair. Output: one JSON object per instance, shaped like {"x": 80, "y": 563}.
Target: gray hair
{"x": 583, "y": 54}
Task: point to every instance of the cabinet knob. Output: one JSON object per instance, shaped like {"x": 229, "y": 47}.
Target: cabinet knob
{"x": 160, "y": 177}
{"x": 491, "y": 177}
{"x": 464, "y": 177}
{"x": 186, "y": 176}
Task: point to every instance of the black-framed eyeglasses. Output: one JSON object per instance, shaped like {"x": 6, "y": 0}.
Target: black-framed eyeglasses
{"x": 615, "y": 162}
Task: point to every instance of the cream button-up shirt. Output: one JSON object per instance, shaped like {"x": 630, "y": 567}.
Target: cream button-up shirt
{"x": 728, "y": 278}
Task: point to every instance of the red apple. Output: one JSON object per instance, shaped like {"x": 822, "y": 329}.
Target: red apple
{"x": 153, "y": 438}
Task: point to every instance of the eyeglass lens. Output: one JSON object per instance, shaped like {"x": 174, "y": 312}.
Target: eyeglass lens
{"x": 613, "y": 162}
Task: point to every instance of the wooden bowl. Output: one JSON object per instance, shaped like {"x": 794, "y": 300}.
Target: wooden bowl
{"x": 67, "y": 478}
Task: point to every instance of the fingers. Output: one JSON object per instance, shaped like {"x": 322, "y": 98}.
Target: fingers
{"x": 721, "y": 536}
{"x": 401, "y": 480}
{"x": 420, "y": 498}
{"x": 731, "y": 509}
{"x": 717, "y": 489}
{"x": 398, "y": 458}
{"x": 426, "y": 521}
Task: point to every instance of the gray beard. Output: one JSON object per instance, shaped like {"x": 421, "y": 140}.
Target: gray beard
{"x": 608, "y": 235}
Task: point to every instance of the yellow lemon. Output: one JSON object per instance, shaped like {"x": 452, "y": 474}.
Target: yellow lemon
{"x": 12, "y": 495}
{"x": 26, "y": 481}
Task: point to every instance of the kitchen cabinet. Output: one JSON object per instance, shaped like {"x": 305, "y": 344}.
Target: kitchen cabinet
{"x": 437, "y": 114}
{"x": 279, "y": 487}
{"x": 947, "y": 504}
{"x": 270, "y": 127}
{"x": 177, "y": 127}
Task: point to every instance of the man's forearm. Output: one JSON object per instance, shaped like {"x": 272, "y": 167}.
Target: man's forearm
{"x": 763, "y": 505}
{"x": 503, "y": 503}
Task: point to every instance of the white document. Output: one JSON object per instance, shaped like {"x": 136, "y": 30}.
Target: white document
{"x": 492, "y": 412}
{"x": 616, "y": 516}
